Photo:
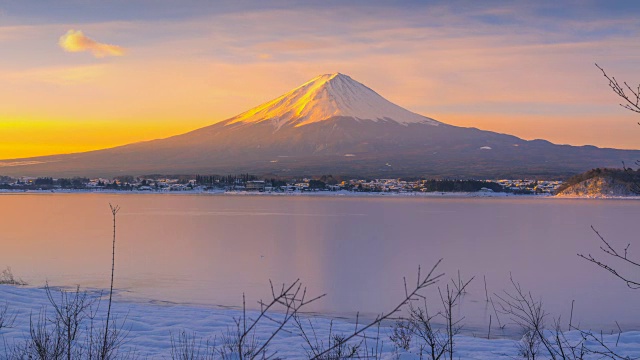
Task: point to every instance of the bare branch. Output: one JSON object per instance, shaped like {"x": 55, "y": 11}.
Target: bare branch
{"x": 632, "y": 101}
{"x": 608, "y": 249}
{"x": 428, "y": 280}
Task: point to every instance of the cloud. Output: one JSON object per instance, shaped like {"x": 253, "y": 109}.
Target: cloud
{"x": 76, "y": 41}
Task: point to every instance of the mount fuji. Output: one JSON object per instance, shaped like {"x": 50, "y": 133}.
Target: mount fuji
{"x": 331, "y": 125}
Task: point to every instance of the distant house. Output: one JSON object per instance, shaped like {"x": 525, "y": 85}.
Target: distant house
{"x": 255, "y": 185}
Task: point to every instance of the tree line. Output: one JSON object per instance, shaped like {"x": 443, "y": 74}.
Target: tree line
{"x": 460, "y": 186}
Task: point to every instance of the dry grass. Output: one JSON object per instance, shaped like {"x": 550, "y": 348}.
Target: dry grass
{"x": 7, "y": 278}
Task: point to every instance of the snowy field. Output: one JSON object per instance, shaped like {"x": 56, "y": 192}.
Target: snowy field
{"x": 151, "y": 325}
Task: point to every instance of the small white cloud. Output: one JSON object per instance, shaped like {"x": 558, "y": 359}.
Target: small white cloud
{"x": 485, "y": 148}
{"x": 76, "y": 41}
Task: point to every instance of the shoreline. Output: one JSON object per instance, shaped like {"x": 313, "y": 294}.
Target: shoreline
{"x": 340, "y": 193}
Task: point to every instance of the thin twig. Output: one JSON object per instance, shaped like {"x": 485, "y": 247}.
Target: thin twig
{"x": 611, "y": 251}
{"x": 114, "y": 212}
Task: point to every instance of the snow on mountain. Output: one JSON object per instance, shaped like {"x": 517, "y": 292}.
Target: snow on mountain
{"x": 328, "y": 96}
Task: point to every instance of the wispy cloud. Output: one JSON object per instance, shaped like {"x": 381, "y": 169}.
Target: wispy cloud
{"x": 76, "y": 41}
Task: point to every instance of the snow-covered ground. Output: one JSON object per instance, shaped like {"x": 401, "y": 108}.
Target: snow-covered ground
{"x": 151, "y": 325}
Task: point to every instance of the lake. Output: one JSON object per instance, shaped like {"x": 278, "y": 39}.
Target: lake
{"x": 210, "y": 249}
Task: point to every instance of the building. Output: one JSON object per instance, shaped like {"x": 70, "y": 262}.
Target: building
{"x": 255, "y": 185}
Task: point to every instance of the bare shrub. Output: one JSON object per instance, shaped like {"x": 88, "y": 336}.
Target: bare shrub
{"x": 358, "y": 343}
{"x": 7, "y": 318}
{"x": 451, "y": 299}
{"x": 423, "y": 327}
{"x": 68, "y": 329}
{"x": 529, "y": 314}
{"x": 241, "y": 341}
{"x": 401, "y": 334}
{"x": 237, "y": 345}
{"x": 529, "y": 345}
{"x": 187, "y": 346}
{"x": 432, "y": 333}
{"x": 335, "y": 347}
{"x": 45, "y": 341}
{"x": 70, "y": 312}
{"x": 7, "y": 278}
{"x": 411, "y": 294}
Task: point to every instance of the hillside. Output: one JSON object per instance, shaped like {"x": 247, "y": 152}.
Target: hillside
{"x": 602, "y": 183}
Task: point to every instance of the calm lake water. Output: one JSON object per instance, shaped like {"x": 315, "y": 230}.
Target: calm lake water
{"x": 210, "y": 249}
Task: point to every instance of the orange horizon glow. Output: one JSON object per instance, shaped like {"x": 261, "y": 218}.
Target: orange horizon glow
{"x": 73, "y": 85}
{"x": 44, "y": 137}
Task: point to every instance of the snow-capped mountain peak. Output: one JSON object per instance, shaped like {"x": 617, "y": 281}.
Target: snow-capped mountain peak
{"x": 328, "y": 96}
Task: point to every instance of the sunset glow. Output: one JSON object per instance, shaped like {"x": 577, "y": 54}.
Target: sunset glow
{"x": 301, "y": 179}
{"x": 95, "y": 76}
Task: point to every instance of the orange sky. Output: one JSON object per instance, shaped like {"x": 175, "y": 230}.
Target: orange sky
{"x": 87, "y": 78}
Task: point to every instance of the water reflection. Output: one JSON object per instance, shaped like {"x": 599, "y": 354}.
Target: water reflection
{"x": 211, "y": 249}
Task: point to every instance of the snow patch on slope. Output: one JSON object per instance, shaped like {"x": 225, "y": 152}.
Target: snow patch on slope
{"x": 328, "y": 96}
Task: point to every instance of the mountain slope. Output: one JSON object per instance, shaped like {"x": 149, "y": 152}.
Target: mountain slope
{"x": 327, "y": 96}
{"x": 331, "y": 124}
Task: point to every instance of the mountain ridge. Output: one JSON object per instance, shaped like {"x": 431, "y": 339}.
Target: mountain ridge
{"x": 331, "y": 124}
{"x": 324, "y": 97}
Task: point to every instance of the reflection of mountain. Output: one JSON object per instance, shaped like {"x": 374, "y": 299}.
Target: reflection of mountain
{"x": 332, "y": 124}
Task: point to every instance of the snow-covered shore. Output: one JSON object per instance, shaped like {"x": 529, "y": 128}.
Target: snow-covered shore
{"x": 150, "y": 327}
{"x": 340, "y": 193}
